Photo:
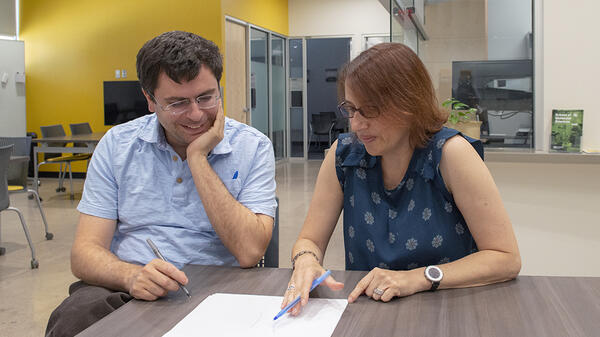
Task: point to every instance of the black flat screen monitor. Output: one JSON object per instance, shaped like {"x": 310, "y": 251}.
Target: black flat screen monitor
{"x": 123, "y": 101}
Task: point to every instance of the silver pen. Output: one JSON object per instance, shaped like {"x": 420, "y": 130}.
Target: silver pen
{"x": 160, "y": 256}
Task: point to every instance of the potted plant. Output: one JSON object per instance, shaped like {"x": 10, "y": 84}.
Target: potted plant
{"x": 462, "y": 118}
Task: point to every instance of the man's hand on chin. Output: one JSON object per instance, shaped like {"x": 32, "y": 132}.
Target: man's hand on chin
{"x": 207, "y": 141}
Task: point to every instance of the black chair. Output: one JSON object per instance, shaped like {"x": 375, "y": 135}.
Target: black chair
{"x": 338, "y": 124}
{"x": 271, "y": 257}
{"x": 320, "y": 125}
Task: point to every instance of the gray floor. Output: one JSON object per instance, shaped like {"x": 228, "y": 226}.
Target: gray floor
{"x": 28, "y": 296}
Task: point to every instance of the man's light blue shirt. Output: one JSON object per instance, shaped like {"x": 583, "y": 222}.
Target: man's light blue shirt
{"x": 136, "y": 178}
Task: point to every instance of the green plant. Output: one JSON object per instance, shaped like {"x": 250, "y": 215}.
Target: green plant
{"x": 459, "y": 111}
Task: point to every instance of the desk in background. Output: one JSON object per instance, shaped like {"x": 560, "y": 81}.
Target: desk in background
{"x": 91, "y": 140}
{"x": 527, "y": 306}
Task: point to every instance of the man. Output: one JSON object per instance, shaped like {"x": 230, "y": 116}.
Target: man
{"x": 200, "y": 185}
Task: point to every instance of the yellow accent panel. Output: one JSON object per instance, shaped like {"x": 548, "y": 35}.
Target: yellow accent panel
{"x": 269, "y": 14}
{"x": 72, "y": 46}
{"x": 15, "y": 188}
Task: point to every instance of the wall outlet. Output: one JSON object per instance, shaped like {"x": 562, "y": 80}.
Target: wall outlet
{"x": 124, "y": 73}
{"x": 117, "y": 73}
{"x": 19, "y": 77}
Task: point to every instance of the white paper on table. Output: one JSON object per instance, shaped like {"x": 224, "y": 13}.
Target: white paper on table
{"x": 252, "y": 315}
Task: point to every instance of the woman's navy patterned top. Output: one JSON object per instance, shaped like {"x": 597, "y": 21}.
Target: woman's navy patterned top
{"x": 417, "y": 224}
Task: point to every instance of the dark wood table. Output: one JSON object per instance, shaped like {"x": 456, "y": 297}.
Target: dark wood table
{"x": 527, "y": 306}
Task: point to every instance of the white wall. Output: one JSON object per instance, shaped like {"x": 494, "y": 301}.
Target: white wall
{"x": 571, "y": 69}
{"x": 554, "y": 211}
{"x": 12, "y": 95}
{"x": 353, "y": 18}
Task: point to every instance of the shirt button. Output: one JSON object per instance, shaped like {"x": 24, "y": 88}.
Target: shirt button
{"x": 179, "y": 180}
{"x": 174, "y": 158}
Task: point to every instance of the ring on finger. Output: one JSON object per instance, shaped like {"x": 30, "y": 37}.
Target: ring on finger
{"x": 378, "y": 291}
{"x": 291, "y": 287}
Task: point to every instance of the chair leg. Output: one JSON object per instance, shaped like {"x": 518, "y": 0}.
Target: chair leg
{"x": 60, "y": 178}
{"x": 34, "y": 262}
{"x": 49, "y": 235}
{"x": 71, "y": 181}
{"x": 2, "y": 249}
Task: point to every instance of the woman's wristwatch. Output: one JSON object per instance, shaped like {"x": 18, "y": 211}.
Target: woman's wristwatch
{"x": 435, "y": 275}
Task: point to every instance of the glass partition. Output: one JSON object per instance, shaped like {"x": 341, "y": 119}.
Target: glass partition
{"x": 278, "y": 94}
{"x": 479, "y": 53}
{"x": 259, "y": 80}
{"x": 296, "y": 98}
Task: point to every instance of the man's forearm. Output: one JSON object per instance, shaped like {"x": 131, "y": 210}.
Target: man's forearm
{"x": 98, "y": 266}
{"x": 240, "y": 230}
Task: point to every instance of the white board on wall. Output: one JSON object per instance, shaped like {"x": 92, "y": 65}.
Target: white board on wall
{"x": 12, "y": 94}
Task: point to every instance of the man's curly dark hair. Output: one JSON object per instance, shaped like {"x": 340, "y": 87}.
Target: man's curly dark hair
{"x": 180, "y": 55}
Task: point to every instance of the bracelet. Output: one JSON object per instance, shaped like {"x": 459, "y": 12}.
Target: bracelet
{"x": 300, "y": 253}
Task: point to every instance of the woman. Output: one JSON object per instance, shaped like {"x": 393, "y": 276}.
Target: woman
{"x": 421, "y": 210}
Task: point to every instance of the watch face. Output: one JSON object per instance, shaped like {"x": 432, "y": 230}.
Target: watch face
{"x": 434, "y": 273}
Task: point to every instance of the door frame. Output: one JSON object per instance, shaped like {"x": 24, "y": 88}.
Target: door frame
{"x": 247, "y": 46}
{"x": 270, "y": 34}
{"x": 305, "y": 84}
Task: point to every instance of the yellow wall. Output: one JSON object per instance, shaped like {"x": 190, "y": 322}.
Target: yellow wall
{"x": 72, "y": 46}
{"x": 269, "y": 14}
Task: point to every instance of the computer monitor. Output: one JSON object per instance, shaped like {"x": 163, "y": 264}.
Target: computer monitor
{"x": 123, "y": 101}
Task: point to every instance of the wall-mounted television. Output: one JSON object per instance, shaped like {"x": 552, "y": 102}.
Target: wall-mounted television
{"x": 123, "y": 101}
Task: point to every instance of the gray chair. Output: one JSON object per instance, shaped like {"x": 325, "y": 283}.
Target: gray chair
{"x": 17, "y": 173}
{"x": 5, "y": 152}
{"x": 81, "y": 129}
{"x": 58, "y": 158}
{"x": 271, "y": 257}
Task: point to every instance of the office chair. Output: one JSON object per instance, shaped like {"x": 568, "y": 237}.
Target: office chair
{"x": 5, "y": 152}
{"x": 320, "y": 125}
{"x": 271, "y": 257}
{"x": 58, "y": 158}
{"x": 81, "y": 129}
{"x": 17, "y": 173}
{"x": 338, "y": 124}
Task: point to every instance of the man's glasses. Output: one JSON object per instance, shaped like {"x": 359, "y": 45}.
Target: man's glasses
{"x": 348, "y": 110}
{"x": 204, "y": 102}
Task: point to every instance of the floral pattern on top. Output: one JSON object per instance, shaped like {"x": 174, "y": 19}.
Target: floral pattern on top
{"x": 413, "y": 225}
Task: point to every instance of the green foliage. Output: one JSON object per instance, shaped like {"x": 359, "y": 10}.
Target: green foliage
{"x": 459, "y": 111}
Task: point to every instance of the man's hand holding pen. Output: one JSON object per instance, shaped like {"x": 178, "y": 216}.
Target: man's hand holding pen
{"x": 155, "y": 280}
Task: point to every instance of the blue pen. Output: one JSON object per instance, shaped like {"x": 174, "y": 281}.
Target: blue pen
{"x": 294, "y": 302}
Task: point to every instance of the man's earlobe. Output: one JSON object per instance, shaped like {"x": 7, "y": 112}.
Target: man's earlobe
{"x": 150, "y": 101}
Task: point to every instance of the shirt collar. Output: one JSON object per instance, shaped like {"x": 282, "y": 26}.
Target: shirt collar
{"x": 153, "y": 132}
